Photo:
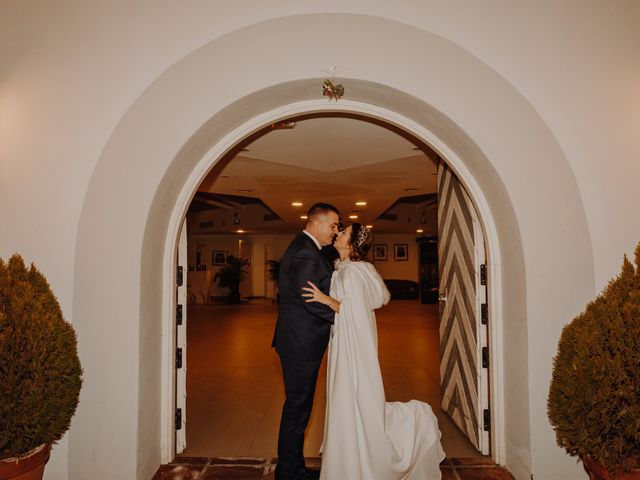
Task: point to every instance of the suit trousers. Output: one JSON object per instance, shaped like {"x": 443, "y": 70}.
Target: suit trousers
{"x": 300, "y": 377}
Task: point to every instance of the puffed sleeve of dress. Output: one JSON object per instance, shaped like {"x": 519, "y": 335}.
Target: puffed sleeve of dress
{"x": 361, "y": 286}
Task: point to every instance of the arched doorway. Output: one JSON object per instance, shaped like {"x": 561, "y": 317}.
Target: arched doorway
{"x": 343, "y": 172}
{"x": 402, "y": 127}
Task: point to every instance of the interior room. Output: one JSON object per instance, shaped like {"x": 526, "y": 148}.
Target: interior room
{"x": 252, "y": 209}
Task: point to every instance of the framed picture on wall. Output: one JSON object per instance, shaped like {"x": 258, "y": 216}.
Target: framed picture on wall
{"x": 219, "y": 257}
{"x": 380, "y": 252}
{"x": 400, "y": 252}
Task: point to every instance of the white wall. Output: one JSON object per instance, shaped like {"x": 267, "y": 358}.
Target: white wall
{"x": 267, "y": 247}
{"x": 200, "y": 283}
{"x": 254, "y": 247}
{"x": 94, "y": 107}
{"x": 397, "y": 269}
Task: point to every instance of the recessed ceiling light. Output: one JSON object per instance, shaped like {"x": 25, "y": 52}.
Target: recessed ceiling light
{"x": 303, "y": 217}
{"x": 239, "y": 231}
{"x": 369, "y": 226}
{"x": 296, "y": 204}
{"x": 419, "y": 230}
{"x": 353, "y": 217}
{"x": 361, "y": 204}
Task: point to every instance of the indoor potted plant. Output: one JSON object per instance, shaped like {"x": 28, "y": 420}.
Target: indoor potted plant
{"x": 273, "y": 273}
{"x": 40, "y": 373}
{"x": 231, "y": 275}
{"x": 594, "y": 398}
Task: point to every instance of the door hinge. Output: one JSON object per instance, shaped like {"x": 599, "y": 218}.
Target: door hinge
{"x": 179, "y": 314}
{"x": 178, "y": 422}
{"x": 178, "y": 358}
{"x": 483, "y": 274}
{"x": 179, "y": 277}
{"x": 485, "y": 357}
{"x": 484, "y": 314}
{"x": 487, "y": 420}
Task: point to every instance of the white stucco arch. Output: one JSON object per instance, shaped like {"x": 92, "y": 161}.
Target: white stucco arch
{"x": 320, "y": 105}
{"x": 203, "y": 104}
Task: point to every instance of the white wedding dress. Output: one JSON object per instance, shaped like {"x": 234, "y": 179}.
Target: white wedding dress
{"x": 365, "y": 437}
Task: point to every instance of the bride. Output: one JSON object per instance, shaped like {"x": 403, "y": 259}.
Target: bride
{"x": 365, "y": 437}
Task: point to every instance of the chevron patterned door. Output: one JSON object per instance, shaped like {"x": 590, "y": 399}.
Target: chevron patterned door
{"x": 463, "y": 311}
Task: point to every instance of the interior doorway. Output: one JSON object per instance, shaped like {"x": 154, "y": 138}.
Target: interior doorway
{"x": 396, "y": 251}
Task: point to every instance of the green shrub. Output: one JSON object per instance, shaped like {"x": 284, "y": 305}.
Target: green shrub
{"x": 594, "y": 399}
{"x": 40, "y": 373}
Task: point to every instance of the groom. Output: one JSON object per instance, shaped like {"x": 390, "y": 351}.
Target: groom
{"x": 302, "y": 334}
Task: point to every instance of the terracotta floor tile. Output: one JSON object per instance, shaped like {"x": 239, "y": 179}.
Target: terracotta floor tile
{"x": 245, "y": 461}
{"x": 235, "y": 472}
{"x": 177, "y": 472}
{"x": 483, "y": 473}
{"x": 448, "y": 473}
{"x": 193, "y": 461}
{"x": 262, "y": 468}
{"x": 473, "y": 461}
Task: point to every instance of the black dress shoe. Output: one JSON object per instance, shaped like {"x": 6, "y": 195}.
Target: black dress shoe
{"x": 312, "y": 474}
{"x": 307, "y": 475}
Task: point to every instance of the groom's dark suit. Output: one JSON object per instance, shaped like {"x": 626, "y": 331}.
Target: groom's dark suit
{"x": 301, "y": 338}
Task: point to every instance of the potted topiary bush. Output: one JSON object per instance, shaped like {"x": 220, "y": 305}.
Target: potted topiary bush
{"x": 231, "y": 275}
{"x": 40, "y": 373}
{"x": 594, "y": 398}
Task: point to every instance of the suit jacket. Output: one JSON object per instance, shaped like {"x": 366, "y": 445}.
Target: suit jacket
{"x": 303, "y": 329}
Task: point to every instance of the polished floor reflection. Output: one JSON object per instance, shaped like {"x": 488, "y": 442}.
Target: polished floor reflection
{"x": 234, "y": 385}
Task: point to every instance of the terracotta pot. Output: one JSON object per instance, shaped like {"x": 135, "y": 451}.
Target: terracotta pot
{"x": 29, "y": 466}
{"x": 597, "y": 472}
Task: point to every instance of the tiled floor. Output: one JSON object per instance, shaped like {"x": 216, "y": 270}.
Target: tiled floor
{"x": 190, "y": 468}
{"x": 234, "y": 384}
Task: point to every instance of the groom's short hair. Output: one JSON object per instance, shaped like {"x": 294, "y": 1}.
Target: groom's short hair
{"x": 320, "y": 209}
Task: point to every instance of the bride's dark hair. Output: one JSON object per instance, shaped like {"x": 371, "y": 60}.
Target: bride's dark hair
{"x": 361, "y": 240}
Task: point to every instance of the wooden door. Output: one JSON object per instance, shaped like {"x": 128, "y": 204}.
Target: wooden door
{"x": 463, "y": 311}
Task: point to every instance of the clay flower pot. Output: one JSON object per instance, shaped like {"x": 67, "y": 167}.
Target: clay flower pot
{"x": 29, "y": 466}
{"x": 596, "y": 472}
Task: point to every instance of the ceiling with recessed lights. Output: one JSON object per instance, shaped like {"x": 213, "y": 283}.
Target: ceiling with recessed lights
{"x": 341, "y": 161}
